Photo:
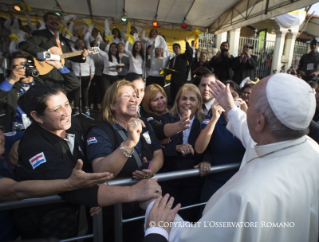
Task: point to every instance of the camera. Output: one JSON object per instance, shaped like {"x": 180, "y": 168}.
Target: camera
{"x": 224, "y": 50}
{"x": 249, "y": 47}
{"x": 30, "y": 69}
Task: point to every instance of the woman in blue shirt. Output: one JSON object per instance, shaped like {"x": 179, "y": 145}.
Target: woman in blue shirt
{"x": 221, "y": 146}
{"x": 179, "y": 153}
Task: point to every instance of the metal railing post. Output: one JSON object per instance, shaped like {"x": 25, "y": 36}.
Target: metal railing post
{"x": 98, "y": 227}
{"x": 118, "y": 223}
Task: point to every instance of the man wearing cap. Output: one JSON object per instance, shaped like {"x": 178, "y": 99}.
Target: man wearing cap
{"x": 274, "y": 196}
{"x": 309, "y": 63}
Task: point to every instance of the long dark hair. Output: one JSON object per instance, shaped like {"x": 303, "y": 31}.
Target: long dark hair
{"x": 119, "y": 36}
{"x": 150, "y": 34}
{"x": 141, "y": 52}
{"x": 234, "y": 85}
{"x": 116, "y": 55}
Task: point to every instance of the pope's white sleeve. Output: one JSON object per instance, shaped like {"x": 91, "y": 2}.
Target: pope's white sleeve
{"x": 176, "y": 225}
{"x": 237, "y": 125}
{"x": 156, "y": 230}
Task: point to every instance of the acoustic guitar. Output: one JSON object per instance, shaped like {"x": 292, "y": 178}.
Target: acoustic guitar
{"x": 45, "y": 68}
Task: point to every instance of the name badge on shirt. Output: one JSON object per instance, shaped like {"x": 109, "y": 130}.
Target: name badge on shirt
{"x": 310, "y": 66}
{"x": 147, "y": 137}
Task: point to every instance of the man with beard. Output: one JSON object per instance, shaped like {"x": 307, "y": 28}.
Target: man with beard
{"x": 309, "y": 63}
{"x": 50, "y": 40}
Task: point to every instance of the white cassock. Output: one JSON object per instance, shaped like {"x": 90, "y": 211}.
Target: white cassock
{"x": 280, "y": 189}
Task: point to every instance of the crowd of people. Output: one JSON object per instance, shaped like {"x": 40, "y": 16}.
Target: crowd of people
{"x": 143, "y": 129}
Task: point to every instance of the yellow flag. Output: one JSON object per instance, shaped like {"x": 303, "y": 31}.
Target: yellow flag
{"x": 195, "y": 32}
{"x": 88, "y": 22}
{"x": 68, "y": 31}
{"x": 14, "y": 37}
{"x": 25, "y": 6}
{"x": 130, "y": 38}
{"x": 109, "y": 38}
{"x": 61, "y": 28}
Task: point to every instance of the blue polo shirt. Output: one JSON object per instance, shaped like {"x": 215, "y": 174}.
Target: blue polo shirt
{"x": 223, "y": 148}
{"x": 98, "y": 143}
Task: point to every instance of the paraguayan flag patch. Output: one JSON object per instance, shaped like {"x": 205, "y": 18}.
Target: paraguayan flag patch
{"x": 37, "y": 160}
{"x": 149, "y": 119}
{"x": 91, "y": 140}
{"x": 205, "y": 121}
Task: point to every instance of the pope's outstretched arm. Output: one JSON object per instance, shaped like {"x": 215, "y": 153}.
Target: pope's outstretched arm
{"x": 237, "y": 118}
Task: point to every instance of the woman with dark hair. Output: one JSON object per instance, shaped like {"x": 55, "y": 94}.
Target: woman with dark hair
{"x": 136, "y": 57}
{"x": 179, "y": 154}
{"x": 246, "y": 91}
{"x": 221, "y": 146}
{"x": 110, "y": 72}
{"x": 117, "y": 36}
{"x": 151, "y": 37}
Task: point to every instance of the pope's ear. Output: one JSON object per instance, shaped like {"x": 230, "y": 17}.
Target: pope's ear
{"x": 261, "y": 123}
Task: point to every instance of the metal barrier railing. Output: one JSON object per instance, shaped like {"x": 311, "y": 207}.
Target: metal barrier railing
{"x": 118, "y": 219}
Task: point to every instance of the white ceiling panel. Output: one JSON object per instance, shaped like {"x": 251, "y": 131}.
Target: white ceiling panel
{"x": 75, "y": 6}
{"x": 217, "y": 15}
{"x": 141, "y": 9}
{"x": 205, "y": 12}
{"x": 178, "y": 11}
{"x": 43, "y": 4}
{"x": 107, "y": 8}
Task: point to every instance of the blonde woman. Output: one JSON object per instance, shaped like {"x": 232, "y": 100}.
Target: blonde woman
{"x": 179, "y": 154}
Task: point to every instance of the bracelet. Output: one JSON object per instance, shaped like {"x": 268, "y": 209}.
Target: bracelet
{"x": 125, "y": 151}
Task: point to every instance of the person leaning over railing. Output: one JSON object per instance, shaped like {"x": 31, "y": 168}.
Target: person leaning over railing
{"x": 48, "y": 150}
{"x": 219, "y": 146}
{"x": 125, "y": 146}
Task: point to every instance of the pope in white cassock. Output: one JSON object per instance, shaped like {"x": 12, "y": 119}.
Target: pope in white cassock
{"x": 276, "y": 190}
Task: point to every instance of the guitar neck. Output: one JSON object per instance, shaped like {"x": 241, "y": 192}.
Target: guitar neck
{"x": 71, "y": 54}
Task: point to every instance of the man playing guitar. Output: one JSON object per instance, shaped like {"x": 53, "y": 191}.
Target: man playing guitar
{"x": 50, "y": 40}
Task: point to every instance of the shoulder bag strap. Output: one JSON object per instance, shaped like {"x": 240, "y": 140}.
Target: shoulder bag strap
{"x": 135, "y": 154}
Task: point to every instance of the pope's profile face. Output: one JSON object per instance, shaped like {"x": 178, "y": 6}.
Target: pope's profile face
{"x": 253, "y": 117}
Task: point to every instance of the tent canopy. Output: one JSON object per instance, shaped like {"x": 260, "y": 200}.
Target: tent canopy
{"x": 215, "y": 15}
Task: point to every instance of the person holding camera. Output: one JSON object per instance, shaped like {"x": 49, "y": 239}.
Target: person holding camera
{"x": 24, "y": 75}
{"x": 222, "y": 63}
{"x": 308, "y": 66}
{"x": 245, "y": 65}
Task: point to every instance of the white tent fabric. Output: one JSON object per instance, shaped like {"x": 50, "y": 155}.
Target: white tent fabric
{"x": 216, "y": 15}
{"x": 292, "y": 19}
